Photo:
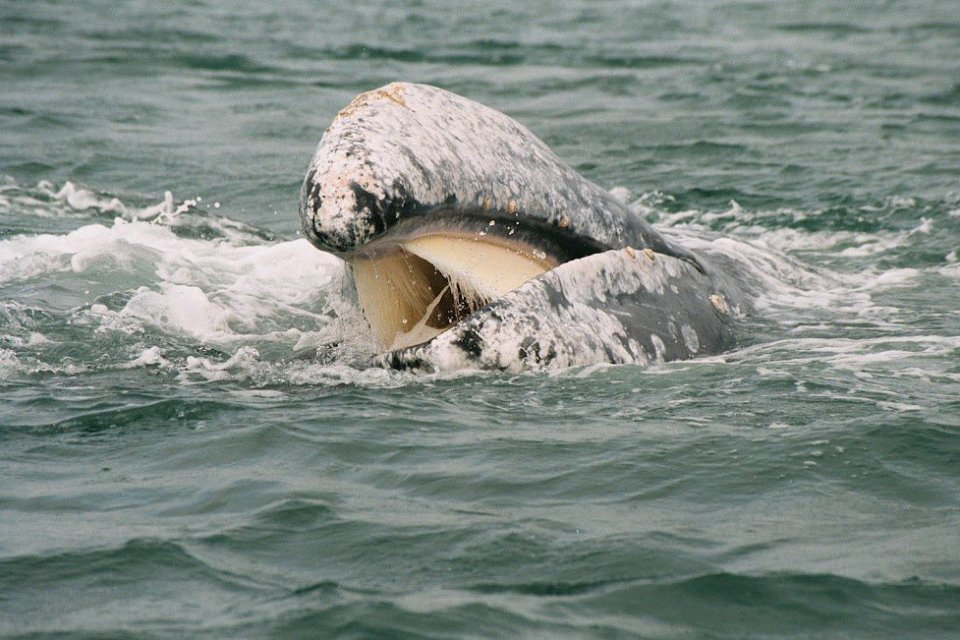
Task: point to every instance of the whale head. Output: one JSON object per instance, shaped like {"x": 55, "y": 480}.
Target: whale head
{"x": 442, "y": 206}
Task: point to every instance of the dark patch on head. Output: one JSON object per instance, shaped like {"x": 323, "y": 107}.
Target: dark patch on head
{"x": 554, "y": 295}
{"x": 309, "y": 205}
{"x": 551, "y": 354}
{"x": 611, "y": 356}
{"x": 530, "y": 349}
{"x": 307, "y": 182}
{"x": 405, "y": 360}
{"x": 369, "y": 202}
{"x": 385, "y": 212}
{"x": 313, "y": 194}
{"x": 471, "y": 342}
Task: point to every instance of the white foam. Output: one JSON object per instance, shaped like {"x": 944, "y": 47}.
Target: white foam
{"x": 143, "y": 279}
{"x": 9, "y": 363}
{"x": 26, "y": 257}
{"x": 201, "y": 286}
{"x": 262, "y": 304}
{"x": 808, "y": 280}
{"x": 80, "y": 199}
{"x": 952, "y": 268}
{"x": 751, "y": 226}
{"x": 152, "y": 357}
{"x": 848, "y": 353}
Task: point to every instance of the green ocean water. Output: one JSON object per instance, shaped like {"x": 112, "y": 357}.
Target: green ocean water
{"x": 191, "y": 443}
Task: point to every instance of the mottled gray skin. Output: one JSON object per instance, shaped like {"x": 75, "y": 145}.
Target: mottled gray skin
{"x": 407, "y": 155}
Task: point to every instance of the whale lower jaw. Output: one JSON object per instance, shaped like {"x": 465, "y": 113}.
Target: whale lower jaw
{"x": 617, "y": 307}
{"x": 414, "y": 288}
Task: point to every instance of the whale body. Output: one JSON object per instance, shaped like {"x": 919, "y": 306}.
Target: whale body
{"x": 472, "y": 245}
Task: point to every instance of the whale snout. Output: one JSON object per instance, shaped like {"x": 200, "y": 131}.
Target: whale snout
{"x": 337, "y": 220}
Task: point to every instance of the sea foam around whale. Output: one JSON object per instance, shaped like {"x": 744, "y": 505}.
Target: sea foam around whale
{"x": 183, "y": 288}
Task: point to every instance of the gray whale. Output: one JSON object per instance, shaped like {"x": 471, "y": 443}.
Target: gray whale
{"x": 472, "y": 245}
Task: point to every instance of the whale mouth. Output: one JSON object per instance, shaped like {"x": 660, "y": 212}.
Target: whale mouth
{"x": 454, "y": 218}
{"x": 412, "y": 287}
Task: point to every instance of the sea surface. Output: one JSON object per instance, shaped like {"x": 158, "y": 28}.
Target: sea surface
{"x": 192, "y": 444}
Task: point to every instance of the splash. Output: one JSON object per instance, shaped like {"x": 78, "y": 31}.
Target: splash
{"x": 145, "y": 290}
{"x": 187, "y": 292}
{"x": 808, "y": 279}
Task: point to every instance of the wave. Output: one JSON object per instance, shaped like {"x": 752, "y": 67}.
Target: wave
{"x": 157, "y": 578}
{"x": 180, "y": 288}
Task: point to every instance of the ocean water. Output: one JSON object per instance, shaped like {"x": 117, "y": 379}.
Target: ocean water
{"x": 192, "y": 443}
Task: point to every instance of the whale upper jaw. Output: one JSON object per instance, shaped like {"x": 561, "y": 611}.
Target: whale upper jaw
{"x": 404, "y": 149}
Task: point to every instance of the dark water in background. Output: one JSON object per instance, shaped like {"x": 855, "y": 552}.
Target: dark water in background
{"x": 173, "y": 463}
